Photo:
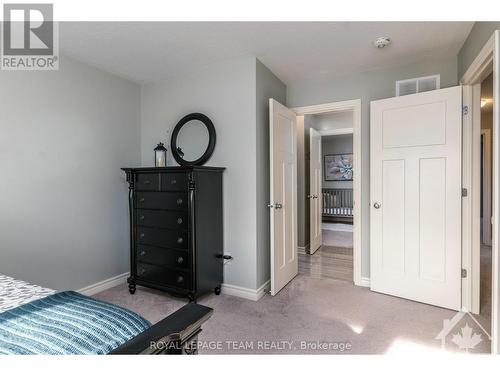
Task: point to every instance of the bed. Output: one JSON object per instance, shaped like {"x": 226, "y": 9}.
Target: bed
{"x": 37, "y": 320}
{"x": 337, "y": 205}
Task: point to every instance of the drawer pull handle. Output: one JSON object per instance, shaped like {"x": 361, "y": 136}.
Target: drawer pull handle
{"x": 179, "y": 220}
{"x": 179, "y": 201}
{"x": 180, "y": 279}
{"x": 180, "y": 260}
{"x": 180, "y": 240}
{"x": 142, "y": 253}
{"x": 147, "y": 182}
{"x": 142, "y": 271}
{"x": 142, "y": 235}
{"x": 173, "y": 182}
{"x": 141, "y": 217}
{"x": 141, "y": 200}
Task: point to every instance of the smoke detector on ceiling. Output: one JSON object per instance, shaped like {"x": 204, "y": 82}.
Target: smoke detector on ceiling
{"x": 382, "y": 42}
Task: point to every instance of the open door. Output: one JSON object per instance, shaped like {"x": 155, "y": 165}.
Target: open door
{"x": 416, "y": 197}
{"x": 283, "y": 195}
{"x": 315, "y": 196}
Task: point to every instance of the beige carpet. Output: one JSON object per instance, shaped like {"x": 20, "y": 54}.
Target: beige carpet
{"x": 307, "y": 311}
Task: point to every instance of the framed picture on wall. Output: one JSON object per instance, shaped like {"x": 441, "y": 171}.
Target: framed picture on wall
{"x": 338, "y": 167}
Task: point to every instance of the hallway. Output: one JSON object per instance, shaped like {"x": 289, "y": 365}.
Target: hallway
{"x": 333, "y": 259}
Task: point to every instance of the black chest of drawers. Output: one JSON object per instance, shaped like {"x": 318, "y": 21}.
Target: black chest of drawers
{"x": 176, "y": 229}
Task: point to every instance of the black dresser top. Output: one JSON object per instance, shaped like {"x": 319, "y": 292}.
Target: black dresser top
{"x": 174, "y": 169}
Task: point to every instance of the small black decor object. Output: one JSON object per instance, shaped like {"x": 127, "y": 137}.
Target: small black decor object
{"x": 193, "y": 140}
{"x": 160, "y": 155}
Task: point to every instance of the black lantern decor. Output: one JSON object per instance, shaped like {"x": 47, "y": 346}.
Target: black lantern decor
{"x": 160, "y": 155}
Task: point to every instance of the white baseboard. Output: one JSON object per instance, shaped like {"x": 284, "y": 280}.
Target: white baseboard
{"x": 303, "y": 249}
{"x": 365, "y": 281}
{"x": 104, "y": 284}
{"x": 251, "y": 294}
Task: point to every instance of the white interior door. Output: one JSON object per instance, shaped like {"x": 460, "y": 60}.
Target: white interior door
{"x": 315, "y": 196}
{"x": 416, "y": 197}
{"x": 283, "y": 191}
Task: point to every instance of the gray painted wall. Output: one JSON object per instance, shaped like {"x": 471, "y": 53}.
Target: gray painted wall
{"x": 225, "y": 92}
{"x": 267, "y": 86}
{"x": 367, "y": 86}
{"x": 333, "y": 121}
{"x": 479, "y": 35}
{"x": 336, "y": 144}
{"x": 64, "y": 202}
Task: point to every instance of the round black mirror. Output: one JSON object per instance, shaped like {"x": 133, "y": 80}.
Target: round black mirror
{"x": 193, "y": 140}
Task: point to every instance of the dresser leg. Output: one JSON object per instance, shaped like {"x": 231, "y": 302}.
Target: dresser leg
{"x": 217, "y": 290}
{"x": 131, "y": 286}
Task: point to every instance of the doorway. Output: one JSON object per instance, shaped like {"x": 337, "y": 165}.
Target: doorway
{"x": 475, "y": 220}
{"x": 328, "y": 152}
{"x": 484, "y": 168}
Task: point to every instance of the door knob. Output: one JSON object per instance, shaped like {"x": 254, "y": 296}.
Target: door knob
{"x": 376, "y": 205}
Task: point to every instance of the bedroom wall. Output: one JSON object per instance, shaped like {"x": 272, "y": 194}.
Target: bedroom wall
{"x": 336, "y": 144}
{"x": 64, "y": 207}
{"x": 226, "y": 93}
{"x": 367, "y": 86}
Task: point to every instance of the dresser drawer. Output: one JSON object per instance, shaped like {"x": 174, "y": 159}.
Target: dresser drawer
{"x": 162, "y": 257}
{"x": 174, "y": 182}
{"x": 147, "y": 182}
{"x": 162, "y": 219}
{"x": 162, "y": 237}
{"x": 165, "y": 276}
{"x": 162, "y": 201}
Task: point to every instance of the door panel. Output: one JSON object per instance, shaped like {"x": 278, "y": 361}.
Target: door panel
{"x": 283, "y": 195}
{"x": 315, "y": 196}
{"x": 393, "y": 219}
{"x": 416, "y": 197}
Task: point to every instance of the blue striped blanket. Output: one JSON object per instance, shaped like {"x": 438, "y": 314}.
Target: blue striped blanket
{"x": 67, "y": 323}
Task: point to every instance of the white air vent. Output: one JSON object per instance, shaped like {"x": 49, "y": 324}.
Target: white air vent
{"x": 414, "y": 85}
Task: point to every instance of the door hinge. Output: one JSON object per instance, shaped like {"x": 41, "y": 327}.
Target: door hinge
{"x": 465, "y": 110}
{"x": 464, "y": 273}
{"x": 464, "y": 192}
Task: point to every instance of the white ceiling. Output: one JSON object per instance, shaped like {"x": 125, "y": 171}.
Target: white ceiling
{"x": 147, "y": 51}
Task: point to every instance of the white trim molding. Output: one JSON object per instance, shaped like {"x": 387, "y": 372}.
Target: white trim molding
{"x": 365, "y": 282}
{"x": 104, "y": 284}
{"x": 343, "y": 106}
{"x": 336, "y": 131}
{"x": 247, "y": 293}
{"x": 353, "y": 105}
{"x": 479, "y": 68}
{"x": 302, "y": 249}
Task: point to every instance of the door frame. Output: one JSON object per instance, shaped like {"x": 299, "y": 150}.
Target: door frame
{"x": 486, "y": 61}
{"x": 353, "y": 106}
{"x": 486, "y": 181}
